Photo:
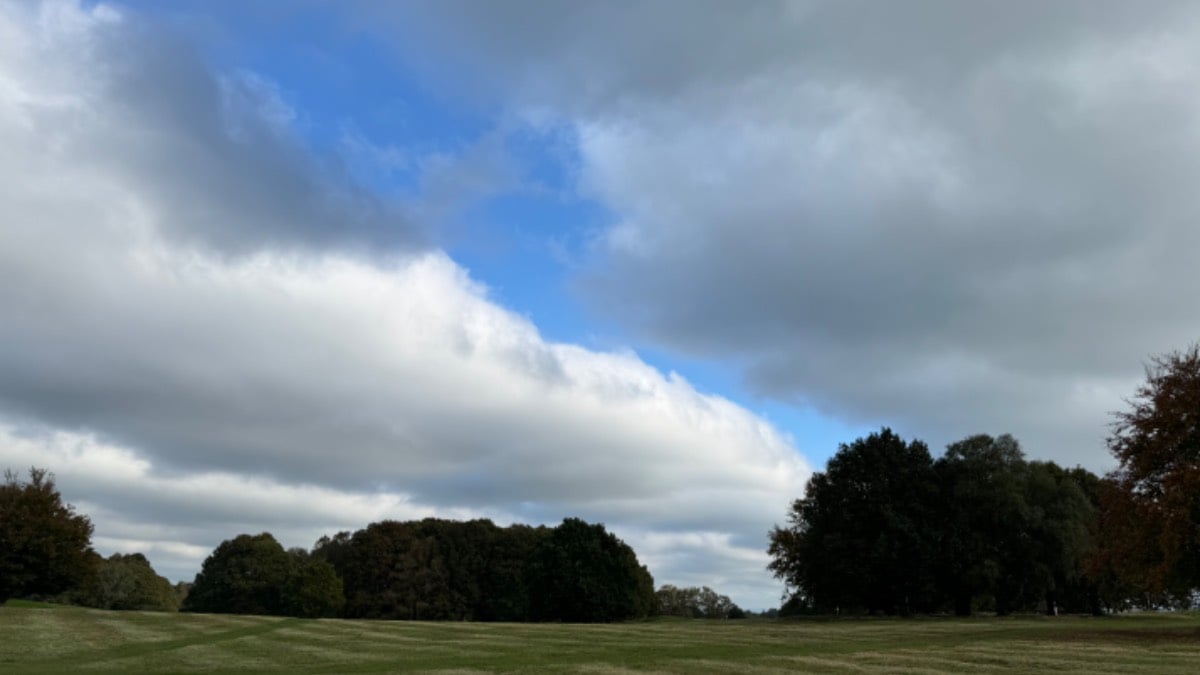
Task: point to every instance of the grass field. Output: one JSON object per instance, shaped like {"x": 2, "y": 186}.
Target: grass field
{"x": 49, "y": 639}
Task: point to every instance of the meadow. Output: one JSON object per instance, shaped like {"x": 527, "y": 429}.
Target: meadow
{"x": 52, "y": 639}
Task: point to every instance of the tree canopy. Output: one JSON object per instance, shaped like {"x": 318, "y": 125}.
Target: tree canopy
{"x": 861, "y": 538}
{"x": 885, "y": 529}
{"x": 439, "y": 569}
{"x": 696, "y": 603}
{"x": 1152, "y": 505}
{"x": 127, "y": 582}
{"x": 45, "y": 547}
{"x": 244, "y": 575}
{"x": 586, "y": 574}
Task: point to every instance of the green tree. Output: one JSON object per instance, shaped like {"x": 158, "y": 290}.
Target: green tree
{"x": 586, "y": 574}
{"x": 1014, "y": 533}
{"x": 244, "y": 575}
{"x": 127, "y": 582}
{"x": 507, "y": 582}
{"x": 984, "y": 514}
{"x": 862, "y": 537}
{"x": 1061, "y": 520}
{"x": 45, "y": 547}
{"x": 313, "y": 589}
{"x": 697, "y": 603}
{"x": 1157, "y": 445}
{"x": 441, "y": 569}
{"x": 369, "y": 563}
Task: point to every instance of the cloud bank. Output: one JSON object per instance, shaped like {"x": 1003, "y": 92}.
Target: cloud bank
{"x": 949, "y": 217}
{"x": 208, "y": 331}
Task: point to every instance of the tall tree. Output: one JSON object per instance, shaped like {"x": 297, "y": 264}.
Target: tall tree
{"x": 45, "y": 547}
{"x": 861, "y": 538}
{"x": 984, "y": 542}
{"x": 1060, "y": 532}
{"x": 1157, "y": 445}
{"x": 1014, "y": 533}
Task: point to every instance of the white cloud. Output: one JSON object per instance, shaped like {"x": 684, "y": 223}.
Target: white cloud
{"x": 191, "y": 344}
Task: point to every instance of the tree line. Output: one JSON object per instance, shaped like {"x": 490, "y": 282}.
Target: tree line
{"x": 46, "y": 553}
{"x": 696, "y": 603}
{"x": 432, "y": 570}
{"x": 888, "y": 529}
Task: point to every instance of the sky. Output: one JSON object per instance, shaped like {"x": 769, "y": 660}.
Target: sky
{"x": 302, "y": 266}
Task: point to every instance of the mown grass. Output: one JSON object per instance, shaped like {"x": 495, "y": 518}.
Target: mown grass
{"x": 33, "y": 640}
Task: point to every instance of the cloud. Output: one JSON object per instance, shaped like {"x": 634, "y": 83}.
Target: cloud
{"x": 949, "y": 217}
{"x": 134, "y": 104}
{"x": 198, "y": 341}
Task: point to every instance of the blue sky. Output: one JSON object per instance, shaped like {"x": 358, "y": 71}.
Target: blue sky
{"x": 301, "y": 266}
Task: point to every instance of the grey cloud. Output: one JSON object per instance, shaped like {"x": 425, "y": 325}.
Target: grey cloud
{"x": 217, "y": 159}
{"x": 948, "y": 217}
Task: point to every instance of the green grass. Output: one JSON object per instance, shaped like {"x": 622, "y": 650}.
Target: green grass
{"x": 33, "y": 640}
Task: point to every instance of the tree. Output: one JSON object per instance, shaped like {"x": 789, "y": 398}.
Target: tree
{"x": 983, "y": 517}
{"x": 313, "y": 589}
{"x": 1061, "y": 519}
{"x": 861, "y": 537}
{"x": 586, "y": 574}
{"x": 675, "y": 601}
{"x": 441, "y": 569}
{"x": 128, "y": 582}
{"x": 374, "y": 564}
{"x": 1014, "y": 533}
{"x": 507, "y": 583}
{"x": 45, "y": 547}
{"x": 244, "y": 575}
{"x": 696, "y": 603}
{"x": 1157, "y": 445}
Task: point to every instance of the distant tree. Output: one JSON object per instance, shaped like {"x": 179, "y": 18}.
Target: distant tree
{"x": 675, "y": 601}
{"x": 182, "y": 588}
{"x": 439, "y": 569}
{"x": 369, "y": 563}
{"x": 862, "y": 537}
{"x": 1157, "y": 443}
{"x": 507, "y": 582}
{"x": 244, "y": 575}
{"x": 127, "y": 582}
{"x": 696, "y": 603}
{"x": 586, "y": 574}
{"x": 466, "y": 549}
{"x": 313, "y": 588}
{"x": 45, "y": 547}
